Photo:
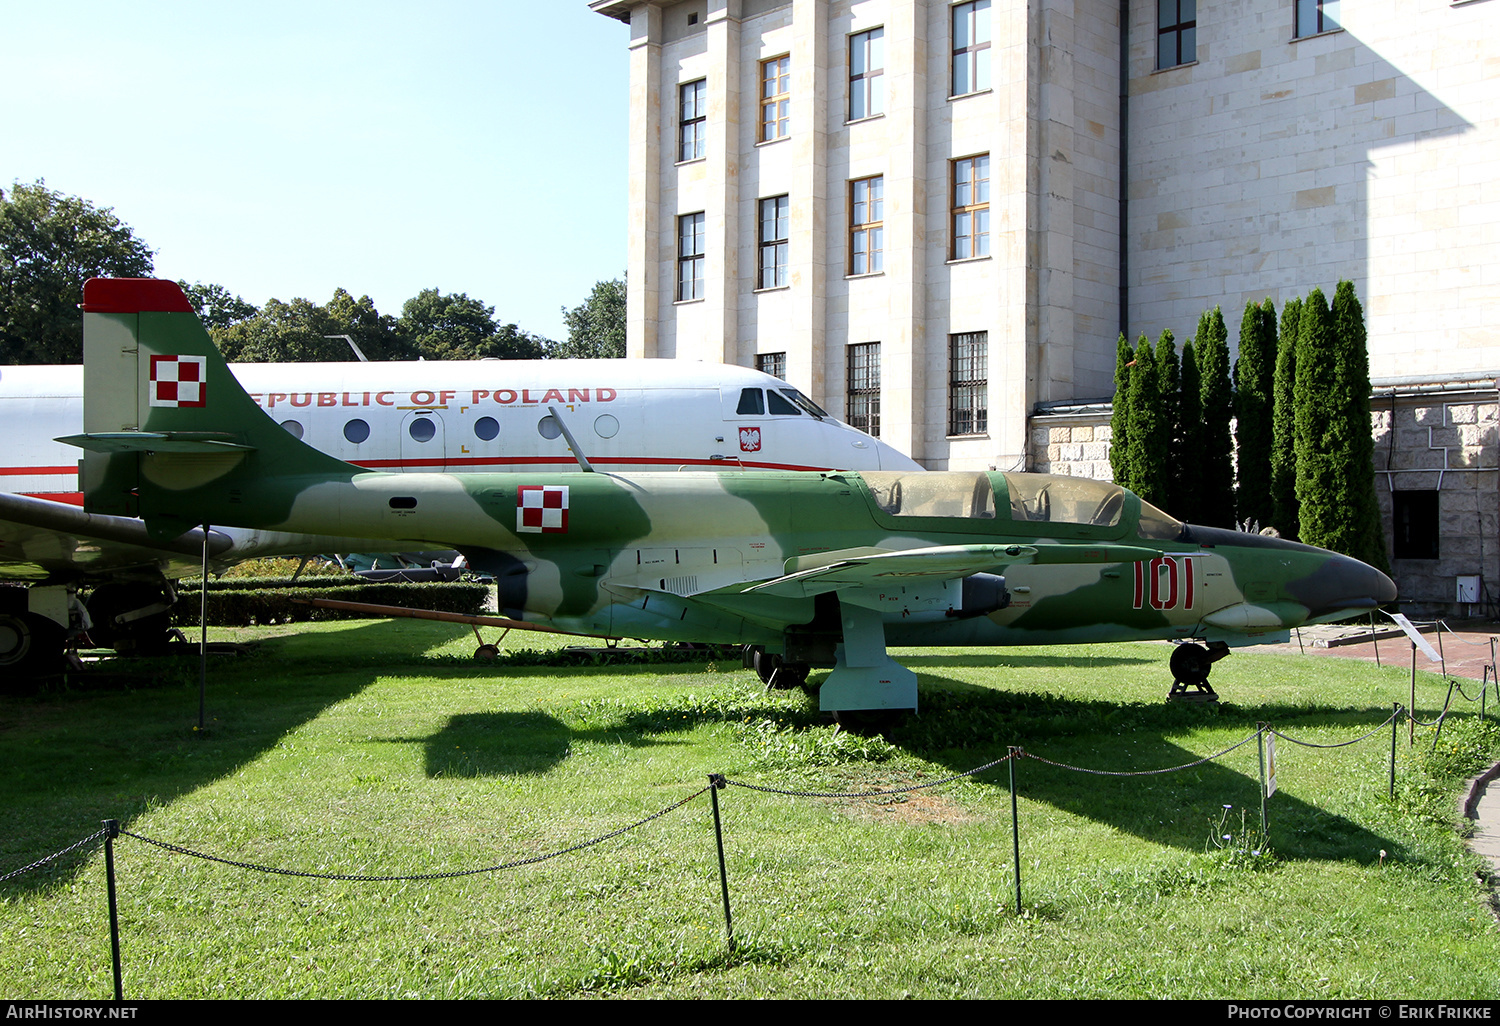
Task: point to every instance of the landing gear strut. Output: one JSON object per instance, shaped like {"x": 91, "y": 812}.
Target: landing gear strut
{"x": 1190, "y": 666}
{"x": 774, "y": 671}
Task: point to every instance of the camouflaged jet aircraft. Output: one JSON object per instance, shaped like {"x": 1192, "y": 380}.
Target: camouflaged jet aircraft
{"x": 814, "y": 569}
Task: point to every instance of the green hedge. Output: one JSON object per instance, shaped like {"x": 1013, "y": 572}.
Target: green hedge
{"x": 250, "y": 602}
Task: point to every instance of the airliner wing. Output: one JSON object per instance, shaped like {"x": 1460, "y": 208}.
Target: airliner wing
{"x": 45, "y": 541}
{"x": 52, "y": 542}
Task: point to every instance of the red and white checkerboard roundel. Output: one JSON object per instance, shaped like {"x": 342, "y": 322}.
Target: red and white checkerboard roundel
{"x": 178, "y": 380}
{"x": 541, "y": 509}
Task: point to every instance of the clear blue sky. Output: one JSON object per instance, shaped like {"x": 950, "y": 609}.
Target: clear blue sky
{"x": 286, "y": 149}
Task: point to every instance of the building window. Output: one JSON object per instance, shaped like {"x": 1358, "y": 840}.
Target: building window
{"x": 692, "y": 120}
{"x": 867, "y": 225}
{"x": 968, "y": 384}
{"x": 971, "y": 47}
{"x": 773, "y": 364}
{"x": 774, "y": 228}
{"x": 1414, "y": 522}
{"x": 1314, "y": 16}
{"x": 971, "y": 207}
{"x": 689, "y": 257}
{"x": 1176, "y": 32}
{"x": 863, "y": 406}
{"x": 775, "y": 98}
{"x": 867, "y": 74}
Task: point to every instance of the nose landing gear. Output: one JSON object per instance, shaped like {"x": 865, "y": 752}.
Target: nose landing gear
{"x": 1190, "y": 665}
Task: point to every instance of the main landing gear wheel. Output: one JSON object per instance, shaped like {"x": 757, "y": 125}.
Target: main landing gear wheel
{"x": 774, "y": 671}
{"x": 1190, "y": 665}
{"x": 30, "y": 646}
{"x": 487, "y": 653}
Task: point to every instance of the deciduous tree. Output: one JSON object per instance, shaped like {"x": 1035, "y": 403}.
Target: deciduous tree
{"x": 596, "y": 327}
{"x": 50, "y": 244}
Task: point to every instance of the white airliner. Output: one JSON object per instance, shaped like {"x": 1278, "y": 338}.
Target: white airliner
{"x": 624, "y": 415}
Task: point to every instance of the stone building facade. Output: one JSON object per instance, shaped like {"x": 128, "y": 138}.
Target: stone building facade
{"x": 937, "y": 216}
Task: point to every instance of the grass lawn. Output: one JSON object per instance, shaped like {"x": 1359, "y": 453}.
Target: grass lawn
{"x": 381, "y": 748}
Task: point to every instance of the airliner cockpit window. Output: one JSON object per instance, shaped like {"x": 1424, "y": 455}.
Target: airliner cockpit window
{"x": 1064, "y": 500}
{"x": 780, "y": 405}
{"x": 752, "y": 401}
{"x": 933, "y": 494}
{"x": 806, "y": 403}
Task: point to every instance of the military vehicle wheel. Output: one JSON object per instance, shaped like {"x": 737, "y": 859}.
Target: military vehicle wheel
{"x": 766, "y": 665}
{"x": 30, "y": 645}
{"x": 748, "y": 655}
{"x": 1190, "y": 664}
{"x": 487, "y": 653}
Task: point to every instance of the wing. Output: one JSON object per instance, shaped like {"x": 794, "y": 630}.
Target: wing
{"x": 45, "y": 541}
{"x": 54, "y": 543}
{"x": 866, "y": 568}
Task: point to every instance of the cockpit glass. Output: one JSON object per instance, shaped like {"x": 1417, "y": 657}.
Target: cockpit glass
{"x": 1156, "y": 524}
{"x": 1064, "y": 500}
{"x": 806, "y": 403}
{"x": 777, "y": 404}
{"x": 932, "y": 494}
{"x": 752, "y": 401}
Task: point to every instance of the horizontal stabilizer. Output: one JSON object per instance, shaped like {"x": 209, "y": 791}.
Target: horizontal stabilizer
{"x": 154, "y": 441}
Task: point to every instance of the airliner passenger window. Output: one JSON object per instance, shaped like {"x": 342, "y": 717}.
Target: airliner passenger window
{"x": 292, "y": 428}
{"x": 965, "y": 494}
{"x": 486, "y": 428}
{"x": 752, "y": 401}
{"x": 779, "y": 405}
{"x": 356, "y": 431}
{"x": 422, "y": 429}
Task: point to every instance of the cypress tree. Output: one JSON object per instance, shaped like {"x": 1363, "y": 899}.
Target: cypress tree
{"x": 1216, "y": 480}
{"x": 1284, "y": 512}
{"x": 1361, "y": 534}
{"x": 1168, "y": 386}
{"x": 1119, "y": 418}
{"x": 1316, "y": 397}
{"x": 1254, "y": 380}
{"x": 1188, "y": 454}
{"x": 1147, "y": 427}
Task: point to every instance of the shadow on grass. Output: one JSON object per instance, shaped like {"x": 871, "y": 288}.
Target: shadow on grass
{"x": 124, "y": 739}
{"x": 963, "y": 725}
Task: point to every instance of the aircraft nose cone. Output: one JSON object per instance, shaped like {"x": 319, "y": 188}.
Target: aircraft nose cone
{"x": 1343, "y": 584}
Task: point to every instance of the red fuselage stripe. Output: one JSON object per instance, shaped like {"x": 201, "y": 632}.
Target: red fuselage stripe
{"x": 19, "y": 471}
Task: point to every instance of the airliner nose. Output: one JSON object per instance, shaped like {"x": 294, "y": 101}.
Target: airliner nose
{"x": 1342, "y": 584}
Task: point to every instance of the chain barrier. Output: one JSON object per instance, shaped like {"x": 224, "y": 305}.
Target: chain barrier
{"x": 95, "y": 836}
{"x": 1338, "y": 744}
{"x": 363, "y": 878}
{"x": 1141, "y": 773}
{"x": 872, "y": 794}
{"x": 1447, "y": 703}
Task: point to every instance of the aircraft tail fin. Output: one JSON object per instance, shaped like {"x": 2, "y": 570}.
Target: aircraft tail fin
{"x": 169, "y": 434}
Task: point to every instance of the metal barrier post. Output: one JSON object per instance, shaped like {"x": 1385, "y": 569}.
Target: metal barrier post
{"x": 715, "y": 782}
{"x": 1260, "y": 744}
{"x": 112, "y": 830}
{"x": 1015, "y": 826}
{"x": 1395, "y": 726}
